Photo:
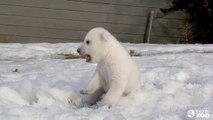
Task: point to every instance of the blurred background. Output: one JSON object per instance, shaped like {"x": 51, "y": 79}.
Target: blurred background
{"x": 134, "y": 21}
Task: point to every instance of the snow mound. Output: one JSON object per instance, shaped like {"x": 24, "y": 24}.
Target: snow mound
{"x": 176, "y": 83}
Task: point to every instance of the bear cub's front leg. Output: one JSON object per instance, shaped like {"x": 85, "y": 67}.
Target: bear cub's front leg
{"x": 94, "y": 84}
{"x": 93, "y": 90}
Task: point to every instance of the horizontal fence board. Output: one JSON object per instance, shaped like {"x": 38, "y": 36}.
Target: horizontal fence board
{"x": 70, "y": 27}
{"x": 136, "y": 3}
{"x": 78, "y": 6}
{"x": 10, "y": 38}
{"x": 67, "y": 25}
{"x": 69, "y": 15}
{"x": 49, "y": 13}
{"x": 55, "y": 34}
{"x": 49, "y": 33}
{"x": 66, "y": 35}
{"x": 85, "y": 26}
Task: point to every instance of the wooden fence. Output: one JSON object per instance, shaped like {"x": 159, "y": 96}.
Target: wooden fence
{"x": 53, "y": 21}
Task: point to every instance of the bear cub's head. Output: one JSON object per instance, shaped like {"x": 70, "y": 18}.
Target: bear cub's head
{"x": 95, "y": 45}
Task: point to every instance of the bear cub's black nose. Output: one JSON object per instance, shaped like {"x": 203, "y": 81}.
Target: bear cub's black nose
{"x": 78, "y": 50}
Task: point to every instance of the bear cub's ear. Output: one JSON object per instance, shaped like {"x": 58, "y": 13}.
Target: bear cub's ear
{"x": 104, "y": 37}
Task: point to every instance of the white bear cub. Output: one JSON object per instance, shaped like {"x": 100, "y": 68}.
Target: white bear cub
{"x": 116, "y": 73}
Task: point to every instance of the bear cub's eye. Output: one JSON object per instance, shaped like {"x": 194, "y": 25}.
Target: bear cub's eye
{"x": 87, "y": 42}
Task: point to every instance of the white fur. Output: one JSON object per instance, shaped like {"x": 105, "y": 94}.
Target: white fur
{"x": 116, "y": 73}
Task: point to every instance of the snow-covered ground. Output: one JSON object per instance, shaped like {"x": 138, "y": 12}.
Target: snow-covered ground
{"x": 37, "y": 83}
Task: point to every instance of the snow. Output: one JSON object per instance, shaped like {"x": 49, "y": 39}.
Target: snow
{"x": 37, "y": 83}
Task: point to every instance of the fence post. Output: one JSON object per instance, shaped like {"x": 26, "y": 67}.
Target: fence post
{"x": 149, "y": 27}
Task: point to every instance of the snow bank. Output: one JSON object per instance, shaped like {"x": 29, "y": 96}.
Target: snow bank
{"x": 27, "y": 51}
{"x": 37, "y": 84}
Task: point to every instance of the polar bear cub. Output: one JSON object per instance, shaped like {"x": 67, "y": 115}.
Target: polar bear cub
{"x": 116, "y": 73}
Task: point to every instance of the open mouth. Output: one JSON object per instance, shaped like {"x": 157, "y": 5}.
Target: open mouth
{"x": 87, "y": 57}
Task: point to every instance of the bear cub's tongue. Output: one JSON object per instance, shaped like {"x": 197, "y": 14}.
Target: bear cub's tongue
{"x": 88, "y": 58}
